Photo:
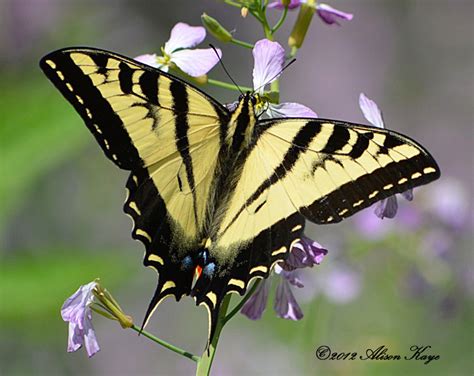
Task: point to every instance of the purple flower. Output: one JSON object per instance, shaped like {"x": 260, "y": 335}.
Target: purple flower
{"x": 76, "y": 310}
{"x": 279, "y": 5}
{"x": 371, "y": 227}
{"x": 449, "y": 202}
{"x": 285, "y": 304}
{"x": 341, "y": 285}
{"x": 387, "y": 207}
{"x": 269, "y": 60}
{"x": 255, "y": 306}
{"x": 305, "y": 253}
{"x": 177, "y": 51}
{"x": 327, "y": 13}
{"x": 330, "y": 15}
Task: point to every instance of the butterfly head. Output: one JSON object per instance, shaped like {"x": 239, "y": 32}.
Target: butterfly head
{"x": 248, "y": 97}
{"x": 257, "y": 104}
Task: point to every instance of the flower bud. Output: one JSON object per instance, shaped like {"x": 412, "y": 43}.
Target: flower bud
{"x": 285, "y": 3}
{"x": 244, "y": 11}
{"x": 302, "y": 23}
{"x": 215, "y": 28}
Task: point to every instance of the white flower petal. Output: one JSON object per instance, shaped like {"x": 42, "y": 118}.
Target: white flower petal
{"x": 371, "y": 111}
{"x": 196, "y": 62}
{"x": 148, "y": 59}
{"x": 232, "y": 106}
{"x": 75, "y": 338}
{"x": 184, "y": 36}
{"x": 290, "y": 110}
{"x": 74, "y": 307}
{"x": 90, "y": 340}
{"x": 269, "y": 58}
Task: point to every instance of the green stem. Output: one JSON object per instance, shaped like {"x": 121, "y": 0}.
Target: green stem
{"x": 294, "y": 51}
{"x": 242, "y": 301}
{"x": 205, "y": 362}
{"x": 256, "y": 15}
{"x": 233, "y": 3}
{"x": 227, "y": 85}
{"x": 167, "y": 345}
{"x": 241, "y": 43}
{"x": 266, "y": 27}
{"x": 280, "y": 21}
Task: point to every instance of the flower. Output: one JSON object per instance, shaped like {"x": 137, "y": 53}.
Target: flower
{"x": 255, "y": 306}
{"x": 341, "y": 285}
{"x": 76, "y": 310}
{"x": 177, "y": 52}
{"x": 327, "y": 13}
{"x": 269, "y": 60}
{"x": 449, "y": 202}
{"x": 331, "y": 15}
{"x": 285, "y": 304}
{"x": 279, "y": 4}
{"x": 305, "y": 253}
{"x": 370, "y": 227}
{"x": 387, "y": 207}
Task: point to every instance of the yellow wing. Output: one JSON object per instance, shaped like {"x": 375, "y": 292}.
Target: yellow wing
{"x": 322, "y": 169}
{"x": 145, "y": 118}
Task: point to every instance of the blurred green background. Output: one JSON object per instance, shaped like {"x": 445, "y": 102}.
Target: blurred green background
{"x": 393, "y": 282}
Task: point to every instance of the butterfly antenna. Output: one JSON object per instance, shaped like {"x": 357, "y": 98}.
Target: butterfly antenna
{"x": 276, "y": 75}
{"x": 225, "y": 70}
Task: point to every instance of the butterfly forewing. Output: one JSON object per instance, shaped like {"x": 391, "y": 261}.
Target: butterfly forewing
{"x": 142, "y": 117}
{"x": 323, "y": 169}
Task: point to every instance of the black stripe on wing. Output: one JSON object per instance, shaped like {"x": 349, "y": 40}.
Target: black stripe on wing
{"x": 181, "y": 108}
{"x": 105, "y": 124}
{"x": 359, "y": 193}
{"x": 395, "y": 177}
{"x": 78, "y": 88}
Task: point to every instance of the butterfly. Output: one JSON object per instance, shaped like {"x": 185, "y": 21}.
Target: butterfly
{"x": 224, "y": 193}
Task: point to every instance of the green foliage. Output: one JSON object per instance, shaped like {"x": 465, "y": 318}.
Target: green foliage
{"x": 38, "y": 131}
{"x": 35, "y": 284}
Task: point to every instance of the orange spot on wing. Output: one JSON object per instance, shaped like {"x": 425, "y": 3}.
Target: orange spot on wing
{"x": 197, "y": 271}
